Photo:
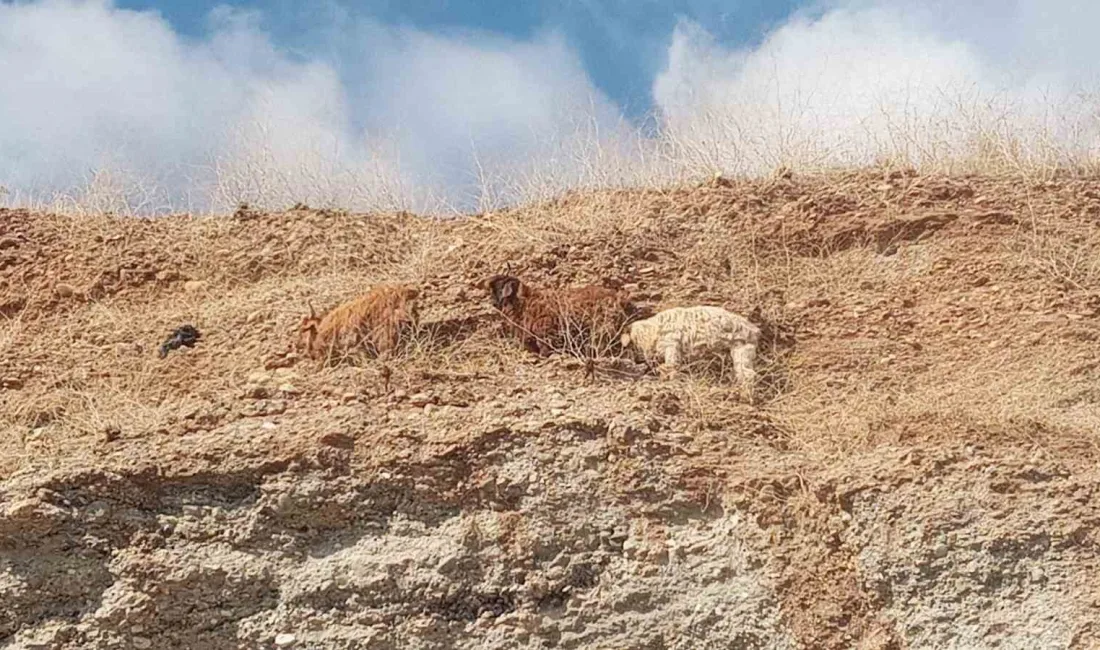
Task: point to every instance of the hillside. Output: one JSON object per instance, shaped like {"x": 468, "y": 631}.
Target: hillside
{"x": 919, "y": 470}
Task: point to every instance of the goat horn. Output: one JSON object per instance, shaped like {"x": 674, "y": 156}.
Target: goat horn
{"x": 312, "y": 313}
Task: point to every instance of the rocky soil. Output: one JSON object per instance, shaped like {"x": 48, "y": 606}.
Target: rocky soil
{"x": 919, "y": 469}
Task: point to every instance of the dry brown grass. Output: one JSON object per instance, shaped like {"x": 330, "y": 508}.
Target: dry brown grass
{"x": 974, "y": 327}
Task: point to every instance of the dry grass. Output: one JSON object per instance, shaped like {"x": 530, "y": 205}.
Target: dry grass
{"x": 975, "y": 329}
{"x": 955, "y": 131}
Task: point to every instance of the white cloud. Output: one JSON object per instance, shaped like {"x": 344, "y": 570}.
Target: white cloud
{"x": 88, "y": 86}
{"x": 865, "y": 80}
{"x": 374, "y": 115}
{"x": 452, "y": 100}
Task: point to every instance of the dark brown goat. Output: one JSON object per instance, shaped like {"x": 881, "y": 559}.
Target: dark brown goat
{"x": 547, "y": 319}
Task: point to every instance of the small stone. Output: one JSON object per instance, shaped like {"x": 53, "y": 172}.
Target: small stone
{"x": 289, "y": 389}
{"x": 111, "y": 433}
{"x": 400, "y": 394}
{"x": 348, "y": 397}
{"x": 256, "y": 392}
{"x": 194, "y": 286}
{"x": 285, "y": 640}
{"x": 420, "y": 399}
{"x": 338, "y": 440}
{"x": 167, "y": 276}
{"x": 65, "y": 290}
{"x": 11, "y": 383}
{"x": 141, "y": 642}
{"x": 127, "y": 349}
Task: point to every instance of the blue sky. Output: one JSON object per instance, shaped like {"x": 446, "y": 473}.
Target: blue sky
{"x": 622, "y": 43}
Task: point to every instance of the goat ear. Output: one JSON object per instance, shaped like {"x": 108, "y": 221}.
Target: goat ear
{"x": 510, "y": 288}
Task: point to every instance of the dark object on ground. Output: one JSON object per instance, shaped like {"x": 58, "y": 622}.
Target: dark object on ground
{"x": 184, "y": 335}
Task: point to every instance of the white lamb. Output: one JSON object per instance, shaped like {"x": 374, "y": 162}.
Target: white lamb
{"x": 685, "y": 334}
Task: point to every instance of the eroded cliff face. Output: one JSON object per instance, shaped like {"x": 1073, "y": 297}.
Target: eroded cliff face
{"x": 918, "y": 471}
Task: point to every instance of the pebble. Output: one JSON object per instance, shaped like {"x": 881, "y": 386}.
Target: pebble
{"x": 285, "y": 640}
{"x": 64, "y": 290}
{"x": 141, "y": 642}
{"x": 420, "y": 399}
{"x": 193, "y": 286}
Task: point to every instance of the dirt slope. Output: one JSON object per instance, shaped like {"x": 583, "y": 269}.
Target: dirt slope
{"x": 919, "y": 470}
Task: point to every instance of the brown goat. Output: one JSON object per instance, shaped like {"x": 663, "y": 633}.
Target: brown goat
{"x": 374, "y": 320}
{"x": 544, "y": 319}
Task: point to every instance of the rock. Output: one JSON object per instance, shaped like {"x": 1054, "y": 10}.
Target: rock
{"x": 289, "y": 389}
{"x": 65, "y": 290}
{"x": 258, "y": 377}
{"x": 256, "y": 392}
{"x": 449, "y": 563}
{"x": 141, "y": 642}
{"x": 127, "y": 349}
{"x": 11, "y": 383}
{"x": 285, "y": 640}
{"x": 166, "y": 276}
{"x": 338, "y": 440}
{"x": 194, "y": 286}
{"x": 420, "y": 399}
